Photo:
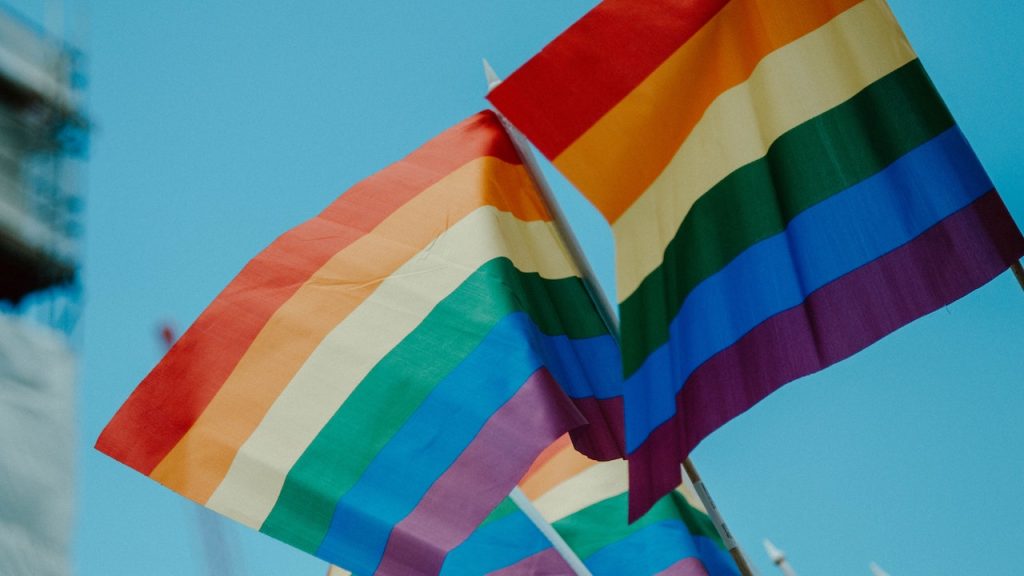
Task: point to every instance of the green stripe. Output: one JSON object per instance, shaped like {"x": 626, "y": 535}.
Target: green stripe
{"x": 805, "y": 166}
{"x": 398, "y": 384}
{"x": 604, "y": 523}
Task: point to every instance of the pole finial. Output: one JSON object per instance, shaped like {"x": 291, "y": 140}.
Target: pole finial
{"x": 491, "y": 75}
{"x": 774, "y": 553}
{"x": 877, "y": 570}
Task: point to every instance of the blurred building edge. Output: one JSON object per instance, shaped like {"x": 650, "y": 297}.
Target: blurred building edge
{"x": 43, "y": 141}
{"x": 43, "y": 138}
{"x": 37, "y": 419}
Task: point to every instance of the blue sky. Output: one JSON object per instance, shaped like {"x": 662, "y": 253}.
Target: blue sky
{"x": 219, "y": 125}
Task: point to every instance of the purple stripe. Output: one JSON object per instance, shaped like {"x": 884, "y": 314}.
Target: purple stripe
{"x": 951, "y": 259}
{"x": 488, "y": 469}
{"x": 603, "y": 437}
{"x": 685, "y": 567}
{"x": 546, "y": 563}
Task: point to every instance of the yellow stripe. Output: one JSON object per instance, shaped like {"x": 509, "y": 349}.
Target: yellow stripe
{"x": 592, "y": 485}
{"x": 618, "y": 157}
{"x": 250, "y": 488}
{"x": 690, "y": 493}
{"x": 790, "y": 86}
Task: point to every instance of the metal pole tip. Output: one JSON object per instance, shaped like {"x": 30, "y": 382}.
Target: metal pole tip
{"x": 491, "y": 75}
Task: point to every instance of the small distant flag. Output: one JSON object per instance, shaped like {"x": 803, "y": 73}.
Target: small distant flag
{"x": 507, "y": 543}
{"x": 378, "y": 379}
{"x": 784, "y": 185}
{"x": 586, "y": 501}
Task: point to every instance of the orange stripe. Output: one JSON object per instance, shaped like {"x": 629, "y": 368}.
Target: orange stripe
{"x": 200, "y": 460}
{"x": 619, "y": 157}
{"x": 562, "y": 462}
{"x": 548, "y": 453}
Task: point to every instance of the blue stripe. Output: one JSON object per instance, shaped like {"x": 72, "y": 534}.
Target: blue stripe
{"x": 496, "y": 545}
{"x": 585, "y": 367}
{"x": 716, "y": 561}
{"x": 823, "y": 243}
{"x": 440, "y": 429}
{"x": 650, "y": 550}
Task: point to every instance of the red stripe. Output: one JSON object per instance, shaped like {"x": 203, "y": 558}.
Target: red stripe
{"x": 951, "y": 259}
{"x": 206, "y": 354}
{"x": 607, "y": 53}
{"x": 488, "y": 469}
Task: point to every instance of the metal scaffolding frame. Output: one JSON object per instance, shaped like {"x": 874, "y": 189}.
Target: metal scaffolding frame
{"x": 43, "y": 144}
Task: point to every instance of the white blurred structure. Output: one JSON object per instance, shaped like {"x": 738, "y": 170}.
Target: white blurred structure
{"x": 778, "y": 558}
{"x": 42, "y": 139}
{"x": 37, "y": 420}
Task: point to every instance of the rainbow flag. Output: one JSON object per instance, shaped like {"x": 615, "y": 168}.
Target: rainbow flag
{"x": 586, "y": 502}
{"x": 784, "y": 185}
{"x": 377, "y": 380}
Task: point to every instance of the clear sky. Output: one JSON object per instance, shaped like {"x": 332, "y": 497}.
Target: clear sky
{"x": 221, "y": 124}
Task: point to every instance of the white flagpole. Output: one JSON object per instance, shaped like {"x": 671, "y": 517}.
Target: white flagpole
{"x": 604, "y": 305}
{"x": 587, "y": 273}
{"x": 778, "y": 558}
{"x": 549, "y": 532}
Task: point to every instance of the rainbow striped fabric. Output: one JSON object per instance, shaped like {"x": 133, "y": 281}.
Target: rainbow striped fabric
{"x": 586, "y": 502}
{"x": 378, "y": 379}
{"x": 784, "y": 185}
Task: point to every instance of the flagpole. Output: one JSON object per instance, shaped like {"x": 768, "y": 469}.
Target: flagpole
{"x": 603, "y": 304}
{"x": 1018, "y": 271}
{"x": 593, "y": 290}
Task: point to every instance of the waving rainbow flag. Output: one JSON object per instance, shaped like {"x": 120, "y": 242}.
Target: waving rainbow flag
{"x": 784, "y": 185}
{"x": 586, "y": 502}
{"x": 373, "y": 383}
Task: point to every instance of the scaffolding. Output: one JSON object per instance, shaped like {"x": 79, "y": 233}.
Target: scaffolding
{"x": 43, "y": 141}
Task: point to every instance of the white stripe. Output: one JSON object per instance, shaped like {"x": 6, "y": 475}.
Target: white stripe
{"x": 690, "y": 493}
{"x": 347, "y": 354}
{"x": 590, "y": 486}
